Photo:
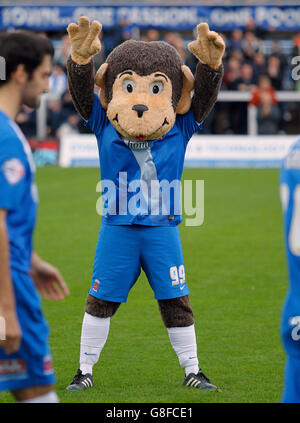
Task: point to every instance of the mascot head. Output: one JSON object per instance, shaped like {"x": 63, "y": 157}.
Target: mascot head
{"x": 142, "y": 86}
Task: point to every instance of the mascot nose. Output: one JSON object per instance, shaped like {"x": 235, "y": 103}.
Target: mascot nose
{"x": 140, "y": 109}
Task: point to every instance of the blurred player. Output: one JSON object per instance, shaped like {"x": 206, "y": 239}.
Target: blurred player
{"x": 25, "y": 359}
{"x": 290, "y": 197}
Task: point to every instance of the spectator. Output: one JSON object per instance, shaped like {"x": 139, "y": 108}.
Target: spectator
{"x": 100, "y": 57}
{"x": 236, "y": 40}
{"x": 153, "y": 35}
{"x": 67, "y": 104}
{"x": 26, "y": 119}
{"x": 275, "y": 73}
{"x": 250, "y": 45}
{"x": 296, "y": 49}
{"x": 232, "y": 73}
{"x": 56, "y": 117}
{"x": 246, "y": 80}
{"x": 62, "y": 53}
{"x": 259, "y": 66}
{"x": 58, "y": 81}
{"x": 268, "y": 115}
{"x": 264, "y": 85}
{"x": 116, "y": 35}
{"x": 276, "y": 52}
{"x": 69, "y": 127}
{"x": 176, "y": 41}
{"x": 252, "y": 27}
{"x": 240, "y": 110}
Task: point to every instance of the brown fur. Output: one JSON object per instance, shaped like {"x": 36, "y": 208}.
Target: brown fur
{"x": 100, "y": 308}
{"x": 176, "y": 312}
{"x": 207, "y": 85}
{"x": 81, "y": 86}
{"x": 145, "y": 58}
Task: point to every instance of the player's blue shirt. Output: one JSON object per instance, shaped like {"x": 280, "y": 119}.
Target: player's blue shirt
{"x": 290, "y": 196}
{"x": 141, "y": 179}
{"x": 18, "y": 192}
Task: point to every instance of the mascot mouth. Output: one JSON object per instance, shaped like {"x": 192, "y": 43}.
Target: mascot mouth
{"x": 141, "y": 137}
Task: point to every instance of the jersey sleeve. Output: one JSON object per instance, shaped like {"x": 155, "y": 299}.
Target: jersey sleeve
{"x": 290, "y": 199}
{"x": 12, "y": 179}
{"x": 188, "y": 125}
{"x": 98, "y": 117}
{"x": 290, "y": 170}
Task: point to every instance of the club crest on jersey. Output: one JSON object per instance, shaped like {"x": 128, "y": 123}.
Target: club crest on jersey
{"x": 13, "y": 171}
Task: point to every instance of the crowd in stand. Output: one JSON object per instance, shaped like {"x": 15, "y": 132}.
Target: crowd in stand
{"x": 248, "y": 68}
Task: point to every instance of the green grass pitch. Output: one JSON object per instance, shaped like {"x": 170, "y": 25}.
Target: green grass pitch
{"x": 236, "y": 272}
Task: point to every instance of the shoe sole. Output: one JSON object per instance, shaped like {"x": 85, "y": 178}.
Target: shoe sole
{"x": 216, "y": 389}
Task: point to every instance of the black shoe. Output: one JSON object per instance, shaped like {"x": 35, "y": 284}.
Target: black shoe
{"x": 81, "y": 382}
{"x": 199, "y": 381}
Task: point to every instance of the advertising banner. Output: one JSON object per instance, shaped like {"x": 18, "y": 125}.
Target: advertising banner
{"x": 57, "y": 17}
{"x": 202, "y": 151}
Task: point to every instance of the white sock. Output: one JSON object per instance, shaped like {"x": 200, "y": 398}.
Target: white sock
{"x": 94, "y": 334}
{"x": 50, "y": 397}
{"x": 183, "y": 340}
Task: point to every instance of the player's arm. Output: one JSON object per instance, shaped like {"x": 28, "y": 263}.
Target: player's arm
{"x": 7, "y": 299}
{"x": 209, "y": 48}
{"x": 47, "y": 279}
{"x": 85, "y": 44}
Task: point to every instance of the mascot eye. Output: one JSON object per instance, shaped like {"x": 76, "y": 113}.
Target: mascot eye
{"x": 156, "y": 87}
{"x": 128, "y": 86}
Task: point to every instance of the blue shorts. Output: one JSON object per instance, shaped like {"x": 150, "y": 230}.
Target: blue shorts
{"x": 31, "y": 365}
{"x": 291, "y": 392}
{"x": 121, "y": 253}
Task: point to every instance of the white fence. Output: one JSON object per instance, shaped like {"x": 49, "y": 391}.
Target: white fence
{"x": 242, "y": 96}
{"x": 202, "y": 151}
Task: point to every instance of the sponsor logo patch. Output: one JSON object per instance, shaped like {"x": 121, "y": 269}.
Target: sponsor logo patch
{"x": 48, "y": 365}
{"x": 13, "y": 171}
{"x": 12, "y": 369}
{"x": 96, "y": 285}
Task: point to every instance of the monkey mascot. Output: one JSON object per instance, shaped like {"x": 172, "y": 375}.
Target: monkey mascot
{"x": 143, "y": 119}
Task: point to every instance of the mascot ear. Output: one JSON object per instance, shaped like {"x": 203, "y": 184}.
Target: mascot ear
{"x": 100, "y": 81}
{"x": 187, "y": 86}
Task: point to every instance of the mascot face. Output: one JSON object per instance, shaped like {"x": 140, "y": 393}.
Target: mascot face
{"x": 143, "y": 86}
{"x": 141, "y": 106}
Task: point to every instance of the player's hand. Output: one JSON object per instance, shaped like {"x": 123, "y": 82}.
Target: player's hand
{"x": 84, "y": 40}
{"x": 209, "y": 46}
{"x": 13, "y": 335}
{"x": 48, "y": 280}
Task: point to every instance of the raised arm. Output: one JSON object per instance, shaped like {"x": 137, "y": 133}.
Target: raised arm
{"x": 85, "y": 44}
{"x": 209, "y": 48}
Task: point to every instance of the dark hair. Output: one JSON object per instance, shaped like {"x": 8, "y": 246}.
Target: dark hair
{"x": 23, "y": 48}
{"x": 145, "y": 58}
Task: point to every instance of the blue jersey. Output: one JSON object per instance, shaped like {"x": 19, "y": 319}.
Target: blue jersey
{"x": 290, "y": 196}
{"x": 18, "y": 192}
{"x": 141, "y": 179}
